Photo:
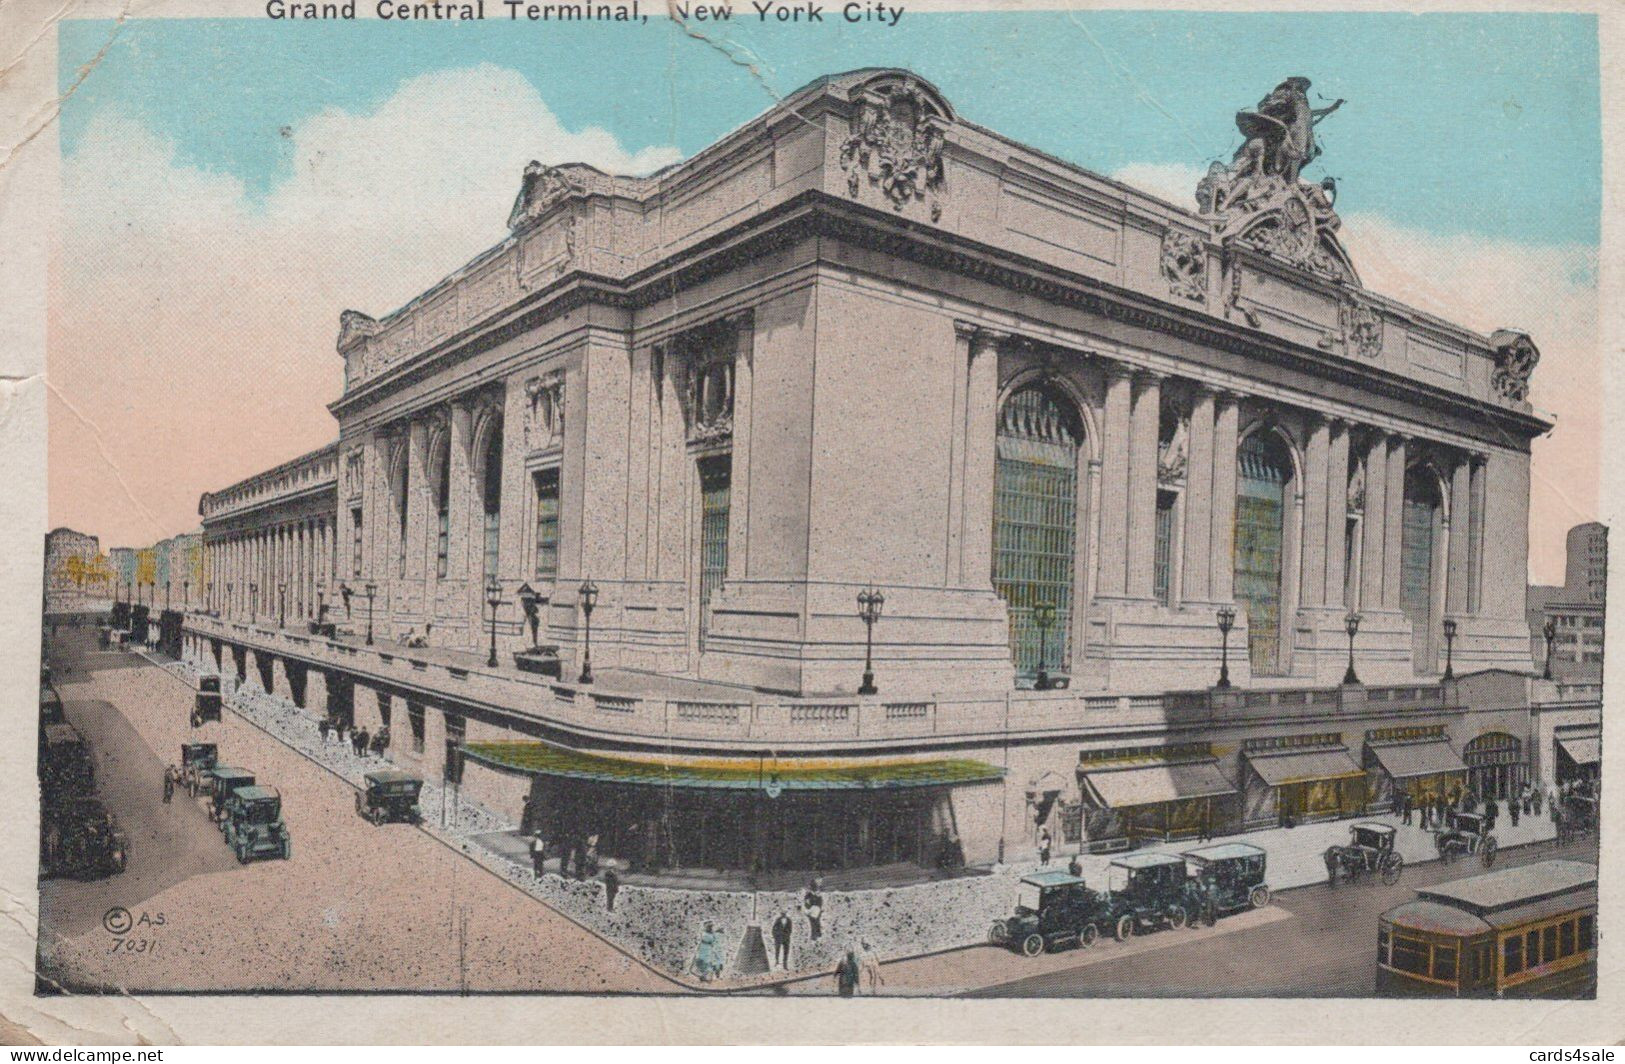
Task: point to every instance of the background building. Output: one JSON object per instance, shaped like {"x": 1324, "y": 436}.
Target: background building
{"x": 1576, "y": 609}
{"x": 78, "y": 577}
{"x": 678, "y": 424}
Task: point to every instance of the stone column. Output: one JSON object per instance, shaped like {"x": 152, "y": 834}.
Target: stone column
{"x": 1114, "y": 473}
{"x": 1395, "y": 523}
{"x": 1373, "y": 531}
{"x": 1226, "y": 437}
{"x": 739, "y": 481}
{"x": 981, "y": 458}
{"x": 1142, "y": 484}
{"x": 1199, "y": 500}
{"x": 1316, "y": 500}
{"x": 1455, "y": 600}
{"x": 1337, "y": 508}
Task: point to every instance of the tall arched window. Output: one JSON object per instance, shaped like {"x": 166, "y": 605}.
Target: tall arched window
{"x": 1035, "y": 512}
{"x": 1418, "y": 534}
{"x": 442, "y": 505}
{"x": 491, "y": 496}
{"x": 402, "y": 480}
{"x": 1264, "y": 469}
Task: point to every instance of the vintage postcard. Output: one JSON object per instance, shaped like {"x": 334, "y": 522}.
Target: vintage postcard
{"x": 793, "y": 501}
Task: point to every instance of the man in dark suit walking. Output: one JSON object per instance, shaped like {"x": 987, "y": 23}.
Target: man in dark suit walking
{"x": 782, "y": 930}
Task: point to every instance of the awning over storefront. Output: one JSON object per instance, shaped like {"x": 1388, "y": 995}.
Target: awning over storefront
{"x": 1582, "y": 749}
{"x": 1304, "y": 766}
{"x": 1123, "y": 788}
{"x": 1405, "y": 760}
{"x": 543, "y": 759}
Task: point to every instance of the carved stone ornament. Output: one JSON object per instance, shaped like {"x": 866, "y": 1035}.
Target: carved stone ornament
{"x": 353, "y": 472}
{"x": 708, "y": 400}
{"x": 897, "y": 144}
{"x": 1259, "y": 201}
{"x": 1362, "y": 328}
{"x": 540, "y": 189}
{"x": 1184, "y": 265}
{"x": 544, "y": 410}
{"x": 1356, "y": 503}
{"x": 1515, "y": 359}
{"x": 1173, "y": 442}
{"x": 354, "y": 326}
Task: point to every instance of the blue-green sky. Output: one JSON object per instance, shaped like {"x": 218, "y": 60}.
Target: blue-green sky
{"x": 1479, "y": 123}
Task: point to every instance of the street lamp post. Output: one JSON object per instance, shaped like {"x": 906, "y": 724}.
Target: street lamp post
{"x": 870, "y": 602}
{"x": 1227, "y": 621}
{"x": 281, "y": 605}
{"x": 186, "y": 595}
{"x": 372, "y": 589}
{"x": 1549, "y": 630}
{"x": 1351, "y": 625}
{"x": 168, "y": 586}
{"x": 231, "y": 595}
{"x": 1043, "y": 616}
{"x": 589, "y": 599}
{"x": 1449, "y": 649}
{"x": 253, "y": 602}
{"x": 321, "y": 603}
{"x": 493, "y": 599}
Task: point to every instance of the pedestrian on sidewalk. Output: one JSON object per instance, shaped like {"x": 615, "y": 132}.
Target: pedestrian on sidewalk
{"x": 612, "y": 886}
{"x": 783, "y": 928}
{"x": 169, "y": 783}
{"x": 325, "y": 728}
{"x": 1439, "y": 810}
{"x": 1536, "y": 792}
{"x": 1075, "y": 866}
{"x": 869, "y": 970}
{"x": 1043, "y": 846}
{"x": 1427, "y": 810}
{"x": 1492, "y": 812}
{"x": 1406, "y": 804}
{"x": 538, "y": 854}
{"x": 812, "y": 903}
{"x": 1513, "y": 808}
{"x": 847, "y": 974}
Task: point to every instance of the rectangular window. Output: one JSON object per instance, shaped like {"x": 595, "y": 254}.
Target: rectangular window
{"x": 1410, "y": 955}
{"x": 355, "y": 541}
{"x": 1588, "y": 932}
{"x": 1565, "y": 939}
{"x": 1548, "y": 944}
{"x": 1444, "y": 963}
{"x": 1072, "y": 822}
{"x": 1531, "y": 950}
{"x": 1164, "y": 553}
{"x": 442, "y": 543}
{"x": 547, "y": 523}
{"x": 1512, "y": 954}
{"x": 715, "y": 482}
{"x": 1382, "y": 945}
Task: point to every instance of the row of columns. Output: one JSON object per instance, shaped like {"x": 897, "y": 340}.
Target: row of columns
{"x": 293, "y": 559}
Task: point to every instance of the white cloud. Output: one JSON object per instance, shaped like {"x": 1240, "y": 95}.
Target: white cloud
{"x": 1546, "y": 290}
{"x": 192, "y": 327}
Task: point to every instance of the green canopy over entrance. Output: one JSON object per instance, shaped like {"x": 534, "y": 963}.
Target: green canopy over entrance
{"x": 544, "y": 759}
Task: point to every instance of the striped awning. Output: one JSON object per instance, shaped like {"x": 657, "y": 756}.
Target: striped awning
{"x": 1122, "y": 788}
{"x": 1582, "y": 750}
{"x": 1279, "y": 768}
{"x": 545, "y": 759}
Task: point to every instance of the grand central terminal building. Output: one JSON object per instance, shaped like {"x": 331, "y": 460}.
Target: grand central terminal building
{"x": 1162, "y": 521}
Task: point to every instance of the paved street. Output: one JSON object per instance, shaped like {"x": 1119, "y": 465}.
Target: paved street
{"x": 1322, "y": 943}
{"x": 357, "y": 907}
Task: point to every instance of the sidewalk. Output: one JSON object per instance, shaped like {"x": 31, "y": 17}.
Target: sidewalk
{"x": 660, "y": 925}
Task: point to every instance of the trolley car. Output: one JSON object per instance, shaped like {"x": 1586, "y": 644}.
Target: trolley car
{"x": 1520, "y": 932}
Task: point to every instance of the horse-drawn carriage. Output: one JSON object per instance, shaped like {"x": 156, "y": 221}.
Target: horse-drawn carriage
{"x": 1466, "y": 834}
{"x": 1370, "y": 851}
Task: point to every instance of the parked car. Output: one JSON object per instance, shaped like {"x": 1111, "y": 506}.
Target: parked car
{"x": 1145, "y": 892}
{"x": 390, "y": 796}
{"x": 206, "y": 706}
{"x": 82, "y": 839}
{"x": 65, "y": 767}
{"x": 253, "y": 824}
{"x": 1237, "y": 871}
{"x": 50, "y": 706}
{"x": 1370, "y": 850}
{"x": 1466, "y": 833}
{"x": 226, "y": 779}
{"x": 197, "y": 762}
{"x": 1053, "y": 909}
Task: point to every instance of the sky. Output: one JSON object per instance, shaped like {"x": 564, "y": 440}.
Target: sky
{"x": 229, "y": 186}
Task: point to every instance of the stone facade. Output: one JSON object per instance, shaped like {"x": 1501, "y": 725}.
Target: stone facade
{"x": 861, "y": 343}
{"x": 78, "y": 576}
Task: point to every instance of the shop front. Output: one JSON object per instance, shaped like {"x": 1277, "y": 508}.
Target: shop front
{"x": 1300, "y": 780}
{"x": 1153, "y": 793}
{"x": 1579, "y": 753}
{"x": 732, "y": 815}
{"x": 1418, "y": 760}
{"x": 1495, "y": 765}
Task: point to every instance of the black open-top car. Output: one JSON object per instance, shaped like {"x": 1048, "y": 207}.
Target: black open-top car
{"x": 1053, "y": 909}
{"x": 389, "y": 796}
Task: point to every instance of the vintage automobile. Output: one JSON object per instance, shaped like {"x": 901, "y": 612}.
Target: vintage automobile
{"x": 65, "y": 768}
{"x": 390, "y": 797}
{"x": 206, "y": 707}
{"x": 82, "y": 839}
{"x": 1370, "y": 850}
{"x": 50, "y": 706}
{"x": 197, "y": 762}
{"x": 1053, "y": 909}
{"x": 227, "y": 778}
{"x": 253, "y": 824}
{"x": 1236, "y": 869}
{"x": 1466, "y": 833}
{"x": 1146, "y": 891}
